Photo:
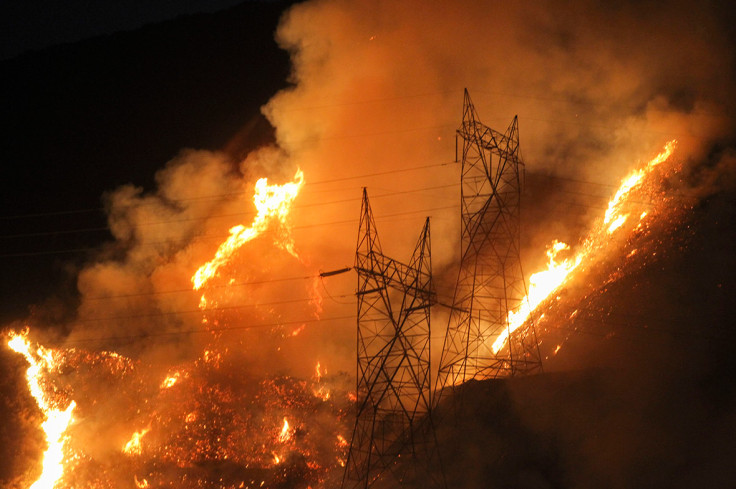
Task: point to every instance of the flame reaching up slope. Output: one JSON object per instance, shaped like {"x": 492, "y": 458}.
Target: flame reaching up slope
{"x": 272, "y": 202}
{"x": 543, "y": 283}
{"x": 614, "y": 216}
{"x": 57, "y": 420}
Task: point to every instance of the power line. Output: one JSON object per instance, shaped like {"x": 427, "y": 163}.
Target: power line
{"x": 315, "y": 204}
{"x": 248, "y": 213}
{"x": 588, "y": 319}
{"x": 218, "y": 196}
{"x": 199, "y": 311}
{"x": 304, "y": 226}
{"x": 153, "y": 243}
{"x": 209, "y": 287}
{"x": 157, "y": 334}
{"x": 319, "y": 182}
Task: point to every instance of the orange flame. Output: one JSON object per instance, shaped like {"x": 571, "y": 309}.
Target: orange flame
{"x": 286, "y": 432}
{"x": 140, "y": 484}
{"x": 133, "y": 447}
{"x": 542, "y": 284}
{"x": 321, "y": 391}
{"x": 57, "y": 420}
{"x": 272, "y": 202}
{"x": 614, "y": 216}
{"x": 170, "y": 380}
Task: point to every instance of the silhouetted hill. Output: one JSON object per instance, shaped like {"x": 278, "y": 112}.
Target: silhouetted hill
{"x": 641, "y": 393}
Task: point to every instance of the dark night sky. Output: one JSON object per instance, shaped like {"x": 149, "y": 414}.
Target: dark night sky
{"x": 38, "y": 24}
{"x": 83, "y": 118}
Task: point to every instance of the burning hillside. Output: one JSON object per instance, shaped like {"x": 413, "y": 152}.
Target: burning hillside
{"x": 211, "y": 423}
{"x": 215, "y": 422}
{"x": 207, "y": 342}
{"x": 208, "y": 424}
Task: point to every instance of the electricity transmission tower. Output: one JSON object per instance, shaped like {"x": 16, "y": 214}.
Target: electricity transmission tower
{"x": 393, "y": 439}
{"x": 490, "y": 281}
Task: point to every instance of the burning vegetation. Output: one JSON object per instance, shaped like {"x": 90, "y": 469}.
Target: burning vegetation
{"x": 214, "y": 417}
{"x": 223, "y": 343}
{"x": 217, "y": 420}
{"x": 209, "y": 417}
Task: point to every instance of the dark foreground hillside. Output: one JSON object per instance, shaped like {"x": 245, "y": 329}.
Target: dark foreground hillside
{"x": 642, "y": 392}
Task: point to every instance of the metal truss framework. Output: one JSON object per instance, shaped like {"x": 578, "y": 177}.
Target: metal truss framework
{"x": 394, "y": 394}
{"x": 490, "y": 281}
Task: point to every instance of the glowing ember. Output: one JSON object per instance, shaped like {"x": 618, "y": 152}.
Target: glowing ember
{"x": 57, "y": 420}
{"x": 141, "y": 484}
{"x": 170, "y": 381}
{"x": 133, "y": 447}
{"x": 542, "y": 284}
{"x": 272, "y": 202}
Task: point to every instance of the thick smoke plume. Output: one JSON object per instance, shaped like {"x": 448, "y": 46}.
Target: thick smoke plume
{"x": 376, "y": 98}
{"x": 377, "y": 88}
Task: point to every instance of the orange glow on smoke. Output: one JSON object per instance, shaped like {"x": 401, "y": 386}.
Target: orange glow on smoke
{"x": 57, "y": 420}
{"x": 543, "y": 283}
{"x": 273, "y": 202}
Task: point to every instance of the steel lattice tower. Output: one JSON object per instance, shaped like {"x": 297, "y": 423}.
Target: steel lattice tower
{"x": 490, "y": 281}
{"x": 394, "y": 393}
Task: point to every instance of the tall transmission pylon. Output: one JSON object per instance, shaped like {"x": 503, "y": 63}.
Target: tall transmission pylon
{"x": 490, "y": 281}
{"x": 393, "y": 440}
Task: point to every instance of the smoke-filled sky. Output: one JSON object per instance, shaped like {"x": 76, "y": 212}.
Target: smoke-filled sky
{"x": 375, "y": 99}
{"x": 377, "y": 88}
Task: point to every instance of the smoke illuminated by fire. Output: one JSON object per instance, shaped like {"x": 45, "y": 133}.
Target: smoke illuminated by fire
{"x": 191, "y": 420}
{"x": 272, "y": 202}
{"x": 245, "y": 407}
